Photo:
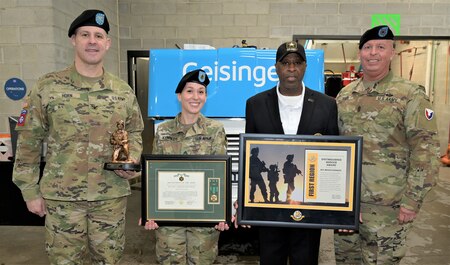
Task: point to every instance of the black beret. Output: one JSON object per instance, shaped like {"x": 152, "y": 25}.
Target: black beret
{"x": 91, "y": 17}
{"x": 197, "y": 76}
{"x": 382, "y": 32}
{"x": 290, "y": 47}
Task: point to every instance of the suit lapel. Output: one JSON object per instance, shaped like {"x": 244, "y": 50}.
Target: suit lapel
{"x": 274, "y": 111}
{"x": 307, "y": 112}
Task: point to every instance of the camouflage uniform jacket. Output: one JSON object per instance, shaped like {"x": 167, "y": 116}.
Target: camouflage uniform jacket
{"x": 76, "y": 116}
{"x": 205, "y": 137}
{"x": 400, "y": 144}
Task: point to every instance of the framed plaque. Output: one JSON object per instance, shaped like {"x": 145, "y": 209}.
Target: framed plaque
{"x": 186, "y": 190}
{"x": 299, "y": 181}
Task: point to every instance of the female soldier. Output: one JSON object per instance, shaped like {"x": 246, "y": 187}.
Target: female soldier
{"x": 190, "y": 133}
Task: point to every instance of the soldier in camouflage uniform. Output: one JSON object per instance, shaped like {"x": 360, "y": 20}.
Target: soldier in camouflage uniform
{"x": 190, "y": 133}
{"x": 74, "y": 111}
{"x": 400, "y": 153}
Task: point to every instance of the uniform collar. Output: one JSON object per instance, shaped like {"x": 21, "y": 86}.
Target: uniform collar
{"x": 102, "y": 83}
{"x": 197, "y": 128}
{"x": 379, "y": 86}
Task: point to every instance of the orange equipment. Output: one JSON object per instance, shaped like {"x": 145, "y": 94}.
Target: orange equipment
{"x": 445, "y": 159}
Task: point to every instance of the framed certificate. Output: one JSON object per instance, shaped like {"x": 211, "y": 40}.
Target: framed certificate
{"x": 186, "y": 190}
{"x": 299, "y": 181}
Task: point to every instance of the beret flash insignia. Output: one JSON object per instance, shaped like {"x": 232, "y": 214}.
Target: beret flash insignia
{"x": 100, "y": 18}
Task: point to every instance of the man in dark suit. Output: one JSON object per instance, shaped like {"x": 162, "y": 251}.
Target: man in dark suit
{"x": 290, "y": 108}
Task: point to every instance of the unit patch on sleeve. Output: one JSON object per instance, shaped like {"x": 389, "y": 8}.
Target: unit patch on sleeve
{"x": 22, "y": 117}
{"x": 429, "y": 114}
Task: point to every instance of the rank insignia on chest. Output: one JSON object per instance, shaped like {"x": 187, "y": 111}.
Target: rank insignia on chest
{"x": 167, "y": 138}
{"x": 429, "y": 114}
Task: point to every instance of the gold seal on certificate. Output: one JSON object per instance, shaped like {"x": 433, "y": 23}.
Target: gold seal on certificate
{"x": 121, "y": 155}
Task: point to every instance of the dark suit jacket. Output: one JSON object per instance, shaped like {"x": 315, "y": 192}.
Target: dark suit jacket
{"x": 262, "y": 115}
{"x": 319, "y": 115}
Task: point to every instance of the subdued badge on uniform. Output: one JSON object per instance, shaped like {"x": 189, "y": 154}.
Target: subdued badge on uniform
{"x": 429, "y": 114}
{"x": 203, "y": 138}
{"x": 167, "y": 137}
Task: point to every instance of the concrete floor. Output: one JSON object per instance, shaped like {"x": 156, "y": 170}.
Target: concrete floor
{"x": 429, "y": 242}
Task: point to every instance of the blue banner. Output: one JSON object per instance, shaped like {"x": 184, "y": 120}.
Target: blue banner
{"x": 235, "y": 73}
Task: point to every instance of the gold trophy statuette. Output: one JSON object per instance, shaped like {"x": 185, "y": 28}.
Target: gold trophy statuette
{"x": 121, "y": 154}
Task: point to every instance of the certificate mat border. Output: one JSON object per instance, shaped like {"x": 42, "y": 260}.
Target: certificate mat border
{"x": 224, "y": 188}
{"x": 308, "y": 215}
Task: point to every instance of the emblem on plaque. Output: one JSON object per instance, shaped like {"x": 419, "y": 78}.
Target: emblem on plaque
{"x": 297, "y": 216}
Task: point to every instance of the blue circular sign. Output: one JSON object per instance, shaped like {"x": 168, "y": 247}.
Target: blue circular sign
{"x": 15, "y": 89}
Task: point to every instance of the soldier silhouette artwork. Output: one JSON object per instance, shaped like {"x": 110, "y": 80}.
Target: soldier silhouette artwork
{"x": 290, "y": 170}
{"x": 273, "y": 177}
{"x": 256, "y": 168}
{"x": 119, "y": 140}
